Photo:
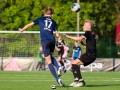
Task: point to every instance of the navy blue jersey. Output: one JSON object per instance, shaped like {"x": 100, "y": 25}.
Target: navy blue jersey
{"x": 47, "y": 27}
{"x": 76, "y": 50}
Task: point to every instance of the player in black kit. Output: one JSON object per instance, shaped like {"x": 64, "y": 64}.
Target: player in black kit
{"x": 60, "y": 43}
{"x": 89, "y": 56}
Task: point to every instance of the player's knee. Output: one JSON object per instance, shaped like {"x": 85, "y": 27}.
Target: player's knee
{"x": 73, "y": 62}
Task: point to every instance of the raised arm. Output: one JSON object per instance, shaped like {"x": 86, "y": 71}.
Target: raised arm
{"x": 26, "y": 27}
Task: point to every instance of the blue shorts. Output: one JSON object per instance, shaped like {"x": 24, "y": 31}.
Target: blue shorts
{"x": 48, "y": 47}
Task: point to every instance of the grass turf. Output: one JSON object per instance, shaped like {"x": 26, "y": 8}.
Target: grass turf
{"x": 43, "y": 80}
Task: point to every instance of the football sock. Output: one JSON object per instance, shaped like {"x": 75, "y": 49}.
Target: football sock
{"x": 52, "y": 70}
{"x": 76, "y": 71}
{"x": 78, "y": 74}
{"x": 55, "y": 63}
{"x": 73, "y": 71}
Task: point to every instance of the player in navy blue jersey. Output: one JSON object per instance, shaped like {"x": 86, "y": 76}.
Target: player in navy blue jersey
{"x": 90, "y": 55}
{"x": 47, "y": 27}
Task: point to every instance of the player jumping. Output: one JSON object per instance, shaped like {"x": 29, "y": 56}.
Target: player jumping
{"x": 47, "y": 27}
{"x": 88, "y": 57}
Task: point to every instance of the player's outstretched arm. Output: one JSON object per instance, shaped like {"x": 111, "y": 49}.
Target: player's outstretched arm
{"x": 26, "y": 27}
{"x": 75, "y": 38}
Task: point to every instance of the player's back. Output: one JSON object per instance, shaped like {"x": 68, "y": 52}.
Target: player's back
{"x": 47, "y": 27}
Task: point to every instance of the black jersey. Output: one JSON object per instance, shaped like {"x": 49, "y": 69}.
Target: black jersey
{"x": 90, "y": 42}
{"x": 60, "y": 44}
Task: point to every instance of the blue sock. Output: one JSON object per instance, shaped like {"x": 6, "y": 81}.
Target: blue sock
{"x": 52, "y": 70}
{"x": 55, "y": 63}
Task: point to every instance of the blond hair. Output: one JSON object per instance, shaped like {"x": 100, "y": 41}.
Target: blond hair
{"x": 92, "y": 23}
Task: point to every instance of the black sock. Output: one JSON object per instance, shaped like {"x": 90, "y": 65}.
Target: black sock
{"x": 61, "y": 63}
{"x": 73, "y": 71}
{"x": 76, "y": 72}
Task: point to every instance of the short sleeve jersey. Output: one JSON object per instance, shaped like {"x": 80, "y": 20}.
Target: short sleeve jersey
{"x": 90, "y": 42}
{"x": 59, "y": 43}
{"x": 76, "y": 50}
{"x": 47, "y": 27}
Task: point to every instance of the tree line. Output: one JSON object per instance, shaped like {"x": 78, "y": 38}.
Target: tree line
{"x": 17, "y": 13}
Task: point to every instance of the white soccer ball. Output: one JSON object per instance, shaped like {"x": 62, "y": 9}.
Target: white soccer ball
{"x": 53, "y": 87}
{"x": 75, "y": 7}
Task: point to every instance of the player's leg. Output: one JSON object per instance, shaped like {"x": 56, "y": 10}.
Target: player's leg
{"x": 64, "y": 57}
{"x": 52, "y": 69}
{"x": 47, "y": 54}
{"x": 76, "y": 71}
{"x": 77, "y": 62}
{"x": 72, "y": 68}
{"x": 62, "y": 64}
{"x": 60, "y": 53}
{"x": 40, "y": 66}
{"x": 60, "y": 59}
{"x": 37, "y": 67}
{"x": 78, "y": 81}
{"x": 83, "y": 60}
{"x": 54, "y": 62}
{"x": 43, "y": 60}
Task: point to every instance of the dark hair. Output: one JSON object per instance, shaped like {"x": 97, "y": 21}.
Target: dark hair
{"x": 49, "y": 11}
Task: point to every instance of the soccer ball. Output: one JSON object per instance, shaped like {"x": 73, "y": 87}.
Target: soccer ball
{"x": 75, "y": 7}
{"x": 53, "y": 87}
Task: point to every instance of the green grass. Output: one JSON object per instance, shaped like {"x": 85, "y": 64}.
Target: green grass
{"x": 43, "y": 80}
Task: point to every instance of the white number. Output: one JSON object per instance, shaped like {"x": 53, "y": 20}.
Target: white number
{"x": 48, "y": 24}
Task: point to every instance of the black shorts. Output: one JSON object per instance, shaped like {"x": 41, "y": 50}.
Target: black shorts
{"x": 61, "y": 52}
{"x": 87, "y": 59}
{"x": 48, "y": 47}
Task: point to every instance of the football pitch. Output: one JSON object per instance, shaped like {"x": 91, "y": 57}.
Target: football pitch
{"x": 42, "y": 80}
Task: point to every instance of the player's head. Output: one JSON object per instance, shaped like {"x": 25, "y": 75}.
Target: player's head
{"x": 88, "y": 25}
{"x": 76, "y": 43}
{"x": 48, "y": 11}
{"x": 59, "y": 38}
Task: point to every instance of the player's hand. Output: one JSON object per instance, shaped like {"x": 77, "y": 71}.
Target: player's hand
{"x": 57, "y": 49}
{"x": 21, "y": 30}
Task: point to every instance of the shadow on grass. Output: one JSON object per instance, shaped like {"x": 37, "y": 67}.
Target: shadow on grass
{"x": 103, "y": 85}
